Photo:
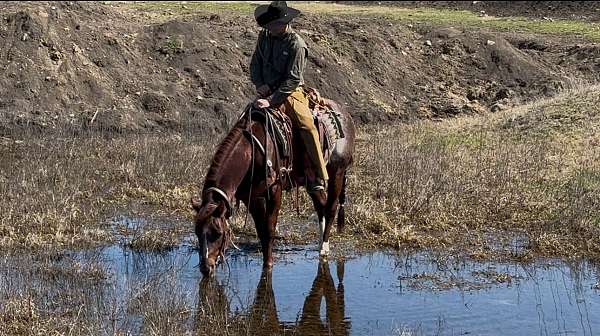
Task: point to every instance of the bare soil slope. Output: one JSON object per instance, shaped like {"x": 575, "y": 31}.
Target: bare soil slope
{"x": 113, "y": 67}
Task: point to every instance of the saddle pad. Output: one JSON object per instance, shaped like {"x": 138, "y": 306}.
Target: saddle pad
{"x": 329, "y": 119}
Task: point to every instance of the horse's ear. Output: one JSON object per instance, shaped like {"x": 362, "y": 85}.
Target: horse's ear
{"x": 196, "y": 203}
{"x": 205, "y": 211}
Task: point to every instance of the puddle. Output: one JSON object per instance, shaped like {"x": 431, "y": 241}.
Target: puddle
{"x": 377, "y": 293}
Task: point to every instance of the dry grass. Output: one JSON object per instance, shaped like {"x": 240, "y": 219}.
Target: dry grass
{"x": 60, "y": 191}
{"x": 476, "y": 183}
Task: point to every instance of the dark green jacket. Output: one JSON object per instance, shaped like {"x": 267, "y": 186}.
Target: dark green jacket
{"x": 279, "y": 62}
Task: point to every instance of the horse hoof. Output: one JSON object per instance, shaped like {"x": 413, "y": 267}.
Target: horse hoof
{"x": 324, "y": 249}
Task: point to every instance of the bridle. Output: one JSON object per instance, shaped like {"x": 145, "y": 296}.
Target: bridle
{"x": 228, "y": 235}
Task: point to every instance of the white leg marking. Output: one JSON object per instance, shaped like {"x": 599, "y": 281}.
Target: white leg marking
{"x": 324, "y": 249}
{"x": 323, "y": 245}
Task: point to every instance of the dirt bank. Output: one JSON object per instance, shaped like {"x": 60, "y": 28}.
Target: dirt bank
{"x": 115, "y": 67}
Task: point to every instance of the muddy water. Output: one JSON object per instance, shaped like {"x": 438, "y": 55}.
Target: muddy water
{"x": 377, "y": 293}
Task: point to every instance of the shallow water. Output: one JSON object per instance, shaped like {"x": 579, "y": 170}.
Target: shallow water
{"x": 377, "y": 293}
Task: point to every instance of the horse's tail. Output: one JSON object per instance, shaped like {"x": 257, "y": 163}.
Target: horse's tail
{"x": 341, "y": 216}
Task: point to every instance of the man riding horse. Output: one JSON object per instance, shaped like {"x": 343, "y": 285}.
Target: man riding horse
{"x": 277, "y": 71}
{"x": 251, "y": 146}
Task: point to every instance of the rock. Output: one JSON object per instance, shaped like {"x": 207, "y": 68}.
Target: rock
{"x": 55, "y": 55}
{"x": 490, "y": 42}
{"x": 25, "y": 37}
{"x": 497, "y": 107}
{"x": 428, "y": 42}
{"x": 504, "y": 93}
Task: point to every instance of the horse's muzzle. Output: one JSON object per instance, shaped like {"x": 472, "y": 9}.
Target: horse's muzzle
{"x": 207, "y": 271}
{"x": 207, "y": 268}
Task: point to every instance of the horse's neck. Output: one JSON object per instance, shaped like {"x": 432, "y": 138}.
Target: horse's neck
{"x": 230, "y": 163}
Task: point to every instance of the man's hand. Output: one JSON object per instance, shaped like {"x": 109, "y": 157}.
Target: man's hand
{"x": 262, "y": 103}
{"x": 263, "y": 90}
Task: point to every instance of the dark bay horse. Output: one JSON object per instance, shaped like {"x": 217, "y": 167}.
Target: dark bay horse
{"x": 237, "y": 172}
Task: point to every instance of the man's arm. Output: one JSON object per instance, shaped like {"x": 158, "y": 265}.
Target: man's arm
{"x": 294, "y": 71}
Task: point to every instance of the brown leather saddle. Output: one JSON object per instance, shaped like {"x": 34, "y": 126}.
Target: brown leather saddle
{"x": 292, "y": 163}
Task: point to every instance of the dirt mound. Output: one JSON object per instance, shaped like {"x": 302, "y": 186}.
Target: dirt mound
{"x": 110, "y": 67}
{"x": 578, "y": 10}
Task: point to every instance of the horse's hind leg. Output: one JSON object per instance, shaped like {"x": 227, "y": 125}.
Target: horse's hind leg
{"x": 327, "y": 208}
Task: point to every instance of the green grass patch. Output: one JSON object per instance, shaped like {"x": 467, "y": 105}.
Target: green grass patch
{"x": 458, "y": 18}
{"x": 461, "y": 18}
{"x": 186, "y": 7}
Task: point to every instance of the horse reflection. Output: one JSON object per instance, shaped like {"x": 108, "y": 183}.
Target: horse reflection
{"x": 323, "y": 286}
{"x": 261, "y": 318}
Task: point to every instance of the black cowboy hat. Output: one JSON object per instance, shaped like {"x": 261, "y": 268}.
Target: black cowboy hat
{"x": 276, "y": 12}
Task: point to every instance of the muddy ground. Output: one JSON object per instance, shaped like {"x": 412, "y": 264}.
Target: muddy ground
{"x": 116, "y": 67}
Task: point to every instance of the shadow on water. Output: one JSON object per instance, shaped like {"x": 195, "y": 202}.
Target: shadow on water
{"x": 376, "y": 293}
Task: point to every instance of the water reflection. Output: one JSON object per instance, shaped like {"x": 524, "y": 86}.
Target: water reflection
{"x": 132, "y": 292}
{"x": 261, "y": 317}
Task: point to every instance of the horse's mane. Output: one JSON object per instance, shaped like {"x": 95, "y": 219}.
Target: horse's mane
{"x": 222, "y": 155}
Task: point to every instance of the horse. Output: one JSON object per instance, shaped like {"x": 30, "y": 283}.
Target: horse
{"x": 236, "y": 173}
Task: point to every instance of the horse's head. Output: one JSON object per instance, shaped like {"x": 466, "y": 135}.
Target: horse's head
{"x": 212, "y": 230}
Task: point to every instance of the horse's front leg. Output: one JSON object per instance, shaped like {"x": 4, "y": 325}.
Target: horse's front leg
{"x": 265, "y": 213}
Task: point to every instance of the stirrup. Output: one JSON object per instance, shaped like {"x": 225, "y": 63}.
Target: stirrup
{"x": 317, "y": 186}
